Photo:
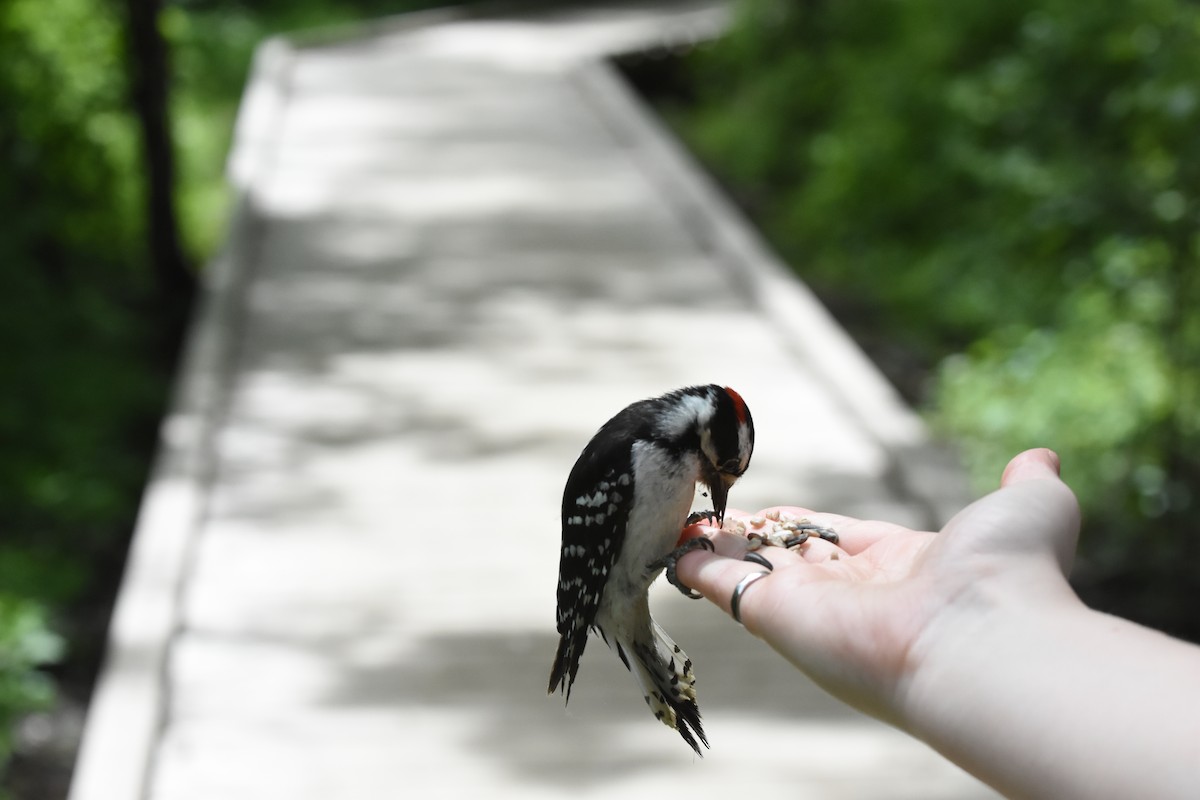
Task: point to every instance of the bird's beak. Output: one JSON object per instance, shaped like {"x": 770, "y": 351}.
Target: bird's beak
{"x": 718, "y": 492}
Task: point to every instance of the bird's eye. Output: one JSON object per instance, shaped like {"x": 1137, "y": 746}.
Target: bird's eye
{"x": 732, "y": 466}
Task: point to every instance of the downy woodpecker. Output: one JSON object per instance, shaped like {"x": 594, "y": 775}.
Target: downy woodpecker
{"x": 624, "y": 507}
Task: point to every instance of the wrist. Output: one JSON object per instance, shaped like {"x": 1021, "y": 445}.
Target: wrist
{"x": 989, "y": 631}
{"x": 1039, "y": 696}
{"x": 987, "y": 689}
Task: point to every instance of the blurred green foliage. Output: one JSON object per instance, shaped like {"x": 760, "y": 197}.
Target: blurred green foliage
{"x": 25, "y": 644}
{"x": 1011, "y": 190}
{"x": 79, "y": 400}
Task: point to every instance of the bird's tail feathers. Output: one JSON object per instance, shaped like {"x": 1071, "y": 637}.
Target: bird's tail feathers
{"x": 566, "y": 661}
{"x": 668, "y": 684}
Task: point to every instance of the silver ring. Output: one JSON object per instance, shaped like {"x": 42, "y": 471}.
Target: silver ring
{"x": 735, "y": 602}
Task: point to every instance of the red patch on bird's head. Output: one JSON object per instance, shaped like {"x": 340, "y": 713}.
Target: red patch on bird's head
{"x": 739, "y": 405}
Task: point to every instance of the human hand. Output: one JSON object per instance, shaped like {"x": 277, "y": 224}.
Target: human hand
{"x": 865, "y": 617}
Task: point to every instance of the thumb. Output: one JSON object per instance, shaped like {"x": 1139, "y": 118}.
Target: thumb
{"x": 1038, "y": 470}
{"x": 1032, "y": 511}
{"x": 1033, "y": 464}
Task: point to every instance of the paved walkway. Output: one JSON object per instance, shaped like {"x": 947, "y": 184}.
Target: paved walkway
{"x": 462, "y": 245}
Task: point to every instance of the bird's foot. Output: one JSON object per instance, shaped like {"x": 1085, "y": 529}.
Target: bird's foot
{"x": 671, "y": 560}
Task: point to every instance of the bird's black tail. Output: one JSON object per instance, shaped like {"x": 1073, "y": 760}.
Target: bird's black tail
{"x": 566, "y": 661}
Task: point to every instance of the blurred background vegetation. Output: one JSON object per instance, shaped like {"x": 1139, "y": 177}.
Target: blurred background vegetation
{"x": 1000, "y": 201}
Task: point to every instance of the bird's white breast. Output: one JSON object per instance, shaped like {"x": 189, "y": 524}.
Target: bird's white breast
{"x": 663, "y": 493}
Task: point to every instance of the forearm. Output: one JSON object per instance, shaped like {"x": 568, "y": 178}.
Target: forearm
{"x": 1063, "y": 702}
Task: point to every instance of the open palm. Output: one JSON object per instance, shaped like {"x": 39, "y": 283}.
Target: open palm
{"x": 862, "y": 617}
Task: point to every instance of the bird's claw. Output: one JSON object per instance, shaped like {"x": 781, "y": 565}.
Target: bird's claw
{"x": 671, "y": 560}
{"x": 758, "y": 558}
{"x": 696, "y": 516}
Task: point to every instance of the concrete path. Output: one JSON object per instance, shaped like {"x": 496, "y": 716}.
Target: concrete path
{"x": 462, "y": 245}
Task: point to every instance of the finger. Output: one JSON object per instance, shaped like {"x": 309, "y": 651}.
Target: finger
{"x": 709, "y": 529}
{"x": 854, "y": 535}
{"x": 1037, "y": 472}
{"x": 725, "y": 543}
{"x": 1036, "y": 464}
{"x": 716, "y": 577}
{"x": 705, "y": 523}
{"x": 816, "y": 550}
{"x": 1033, "y": 510}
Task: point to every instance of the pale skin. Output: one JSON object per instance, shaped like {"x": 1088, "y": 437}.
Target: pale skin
{"x": 972, "y": 640}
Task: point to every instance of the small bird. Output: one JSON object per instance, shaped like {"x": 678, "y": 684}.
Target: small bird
{"x": 625, "y": 505}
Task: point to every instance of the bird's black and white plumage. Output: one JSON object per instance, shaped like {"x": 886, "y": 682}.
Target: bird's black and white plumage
{"x": 624, "y": 507}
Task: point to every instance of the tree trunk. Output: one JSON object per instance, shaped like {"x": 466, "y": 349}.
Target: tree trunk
{"x": 149, "y": 81}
